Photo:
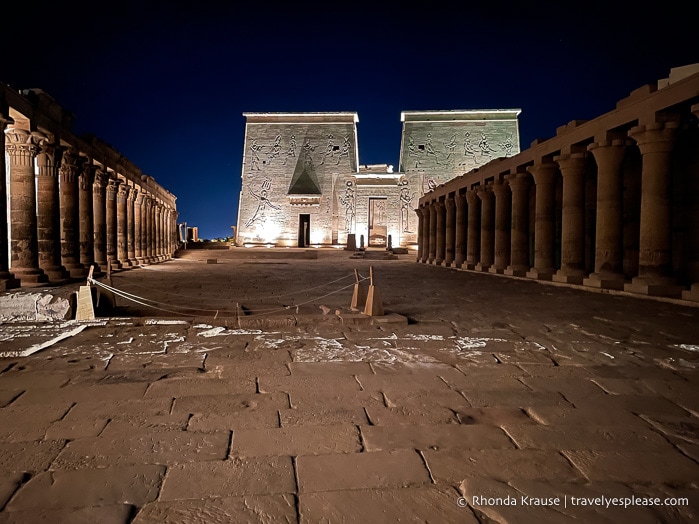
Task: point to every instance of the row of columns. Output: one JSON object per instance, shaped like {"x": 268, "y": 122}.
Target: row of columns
{"x": 487, "y": 228}
{"x": 67, "y": 214}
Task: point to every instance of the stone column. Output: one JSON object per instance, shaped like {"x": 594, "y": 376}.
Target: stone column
{"x": 112, "y": 189}
{"x": 425, "y": 234}
{"x": 420, "y": 233}
{"x": 502, "y": 227}
{"x": 158, "y": 231}
{"x": 433, "y": 233}
{"x": 487, "y": 248}
{"x": 7, "y": 279}
{"x": 48, "y": 213}
{"x": 473, "y": 238}
{"x": 138, "y": 227}
{"x": 21, "y": 149}
{"x": 519, "y": 237}
{"x": 460, "y": 233}
{"x": 87, "y": 215}
{"x": 441, "y": 232}
{"x": 99, "y": 209}
{"x": 149, "y": 230}
{"x": 121, "y": 197}
{"x": 655, "y": 276}
{"x": 572, "y": 169}
{"x": 70, "y": 218}
{"x": 545, "y": 181}
{"x": 450, "y": 240}
{"x": 131, "y": 226}
{"x": 609, "y": 254}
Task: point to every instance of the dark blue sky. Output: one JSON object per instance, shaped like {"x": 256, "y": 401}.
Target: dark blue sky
{"x": 166, "y": 83}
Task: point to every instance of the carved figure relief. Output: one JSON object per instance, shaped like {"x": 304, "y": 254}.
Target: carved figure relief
{"x": 347, "y": 200}
{"x": 308, "y": 150}
{"x": 486, "y": 150}
{"x": 330, "y": 149}
{"x": 508, "y": 146}
{"x": 275, "y": 149}
{"x": 345, "y": 151}
{"x": 406, "y": 204}
{"x": 450, "y": 147}
{"x": 291, "y": 151}
{"x": 263, "y": 203}
{"x": 255, "y": 150}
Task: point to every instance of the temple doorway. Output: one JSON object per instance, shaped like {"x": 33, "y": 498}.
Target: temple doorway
{"x": 377, "y": 222}
{"x": 304, "y": 239}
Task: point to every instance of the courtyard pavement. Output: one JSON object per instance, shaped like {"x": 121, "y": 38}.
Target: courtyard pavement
{"x": 254, "y": 394}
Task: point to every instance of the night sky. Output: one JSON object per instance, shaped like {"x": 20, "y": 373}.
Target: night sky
{"x": 166, "y": 83}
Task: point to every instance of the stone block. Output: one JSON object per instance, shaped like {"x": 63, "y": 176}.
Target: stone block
{"x": 308, "y": 383}
{"x": 143, "y": 447}
{"x": 252, "y": 419}
{"x": 632, "y": 466}
{"x": 329, "y": 368}
{"x": 32, "y": 457}
{"x": 112, "y": 514}
{"x": 381, "y": 469}
{"x": 426, "y": 504}
{"x": 303, "y": 440}
{"x": 228, "y": 404}
{"x": 229, "y": 478}
{"x": 75, "y": 429}
{"x": 329, "y": 399}
{"x": 177, "y": 387}
{"x": 135, "y": 485}
{"x": 78, "y": 393}
{"x": 225, "y": 510}
{"x": 435, "y": 437}
{"x": 324, "y": 417}
{"x": 380, "y": 415}
{"x": 454, "y": 465}
{"x": 127, "y": 409}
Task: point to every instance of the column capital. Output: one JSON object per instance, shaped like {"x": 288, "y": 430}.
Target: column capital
{"x": 46, "y": 157}
{"x": 132, "y": 194}
{"x": 471, "y": 197}
{"x": 87, "y": 176}
{"x": 518, "y": 181}
{"x": 572, "y": 164}
{"x": 500, "y": 188}
{"x": 654, "y": 138}
{"x": 485, "y": 192}
{"x": 68, "y": 169}
{"x": 21, "y": 146}
{"x": 544, "y": 173}
{"x": 112, "y": 187}
{"x": 449, "y": 202}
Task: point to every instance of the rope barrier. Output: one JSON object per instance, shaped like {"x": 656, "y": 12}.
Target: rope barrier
{"x": 145, "y": 301}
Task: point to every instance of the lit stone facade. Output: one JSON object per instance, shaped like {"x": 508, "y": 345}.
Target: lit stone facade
{"x": 611, "y": 203}
{"x": 303, "y": 185}
{"x": 72, "y": 202}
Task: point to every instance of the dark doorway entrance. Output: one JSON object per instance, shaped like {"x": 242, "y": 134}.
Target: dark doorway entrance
{"x": 304, "y": 230}
{"x": 377, "y": 222}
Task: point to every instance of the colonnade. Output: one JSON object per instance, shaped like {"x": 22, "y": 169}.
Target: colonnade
{"x": 73, "y": 204}
{"x": 611, "y": 203}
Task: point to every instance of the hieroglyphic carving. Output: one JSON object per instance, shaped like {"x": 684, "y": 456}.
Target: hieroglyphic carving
{"x": 263, "y": 203}
{"x": 329, "y": 149}
{"x": 291, "y": 151}
{"x": 406, "y": 204}
{"x": 348, "y": 201}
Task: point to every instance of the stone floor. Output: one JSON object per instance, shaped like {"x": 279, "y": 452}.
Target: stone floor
{"x": 476, "y": 399}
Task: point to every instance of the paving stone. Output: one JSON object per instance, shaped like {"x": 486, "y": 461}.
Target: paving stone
{"x": 493, "y": 416}
{"x": 305, "y": 440}
{"x": 438, "y": 436}
{"x": 135, "y": 485}
{"x": 229, "y": 368}
{"x": 227, "y": 510}
{"x": 496, "y": 501}
{"x": 229, "y": 478}
{"x": 25, "y": 380}
{"x": 532, "y": 356}
{"x": 623, "y": 386}
{"x": 679, "y": 510}
{"x": 452, "y": 466}
{"x": 426, "y": 369}
{"x": 29, "y": 422}
{"x": 166, "y": 362}
{"x": 343, "y": 471}
{"x": 380, "y": 415}
{"x": 9, "y": 482}
{"x": 682, "y": 393}
{"x": 325, "y": 417}
{"x": 636, "y": 404}
{"x": 551, "y": 371}
{"x": 478, "y": 373}
{"x": 517, "y": 397}
{"x": 691, "y": 450}
{"x": 152, "y": 423}
{"x": 586, "y": 437}
{"x": 143, "y": 447}
{"x": 329, "y": 398}
{"x": 251, "y": 419}
{"x": 227, "y": 404}
{"x": 685, "y": 428}
{"x": 384, "y": 506}
{"x": 631, "y": 466}
{"x": 206, "y": 386}
{"x": 308, "y": 383}
{"x": 75, "y": 429}
{"x": 585, "y": 415}
{"x": 110, "y": 392}
{"x": 572, "y": 388}
{"x": 138, "y": 409}
{"x": 32, "y": 457}
{"x": 117, "y": 514}
{"x": 399, "y": 382}
{"x": 8, "y": 395}
{"x": 330, "y": 368}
